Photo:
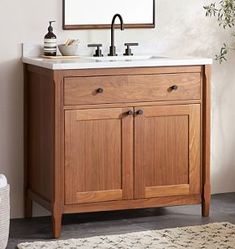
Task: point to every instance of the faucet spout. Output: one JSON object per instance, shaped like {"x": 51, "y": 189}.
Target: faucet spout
{"x": 112, "y": 51}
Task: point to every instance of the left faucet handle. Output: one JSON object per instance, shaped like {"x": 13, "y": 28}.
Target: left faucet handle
{"x": 98, "y": 51}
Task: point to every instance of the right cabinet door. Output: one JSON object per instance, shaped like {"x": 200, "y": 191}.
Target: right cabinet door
{"x": 167, "y": 151}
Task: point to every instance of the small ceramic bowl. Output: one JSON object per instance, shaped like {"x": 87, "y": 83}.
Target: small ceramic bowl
{"x": 68, "y": 50}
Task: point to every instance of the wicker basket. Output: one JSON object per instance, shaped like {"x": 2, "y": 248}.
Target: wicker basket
{"x": 4, "y": 216}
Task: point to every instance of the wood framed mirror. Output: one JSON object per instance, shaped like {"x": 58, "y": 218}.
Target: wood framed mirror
{"x": 97, "y": 14}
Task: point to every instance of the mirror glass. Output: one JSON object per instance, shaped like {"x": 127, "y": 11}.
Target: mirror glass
{"x": 93, "y": 14}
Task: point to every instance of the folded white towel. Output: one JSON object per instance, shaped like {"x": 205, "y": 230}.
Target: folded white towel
{"x": 3, "y": 181}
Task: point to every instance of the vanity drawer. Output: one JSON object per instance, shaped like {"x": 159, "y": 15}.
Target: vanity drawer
{"x": 131, "y": 88}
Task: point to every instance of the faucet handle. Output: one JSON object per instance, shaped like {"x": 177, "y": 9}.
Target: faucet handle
{"x": 128, "y": 49}
{"x": 98, "y": 51}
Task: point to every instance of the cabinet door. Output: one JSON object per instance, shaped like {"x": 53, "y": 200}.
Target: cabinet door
{"x": 167, "y": 151}
{"x": 98, "y": 155}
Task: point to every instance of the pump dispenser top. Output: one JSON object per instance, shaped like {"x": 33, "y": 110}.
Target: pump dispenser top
{"x": 50, "y": 33}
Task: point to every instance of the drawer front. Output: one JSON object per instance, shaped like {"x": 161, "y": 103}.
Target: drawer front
{"x": 133, "y": 88}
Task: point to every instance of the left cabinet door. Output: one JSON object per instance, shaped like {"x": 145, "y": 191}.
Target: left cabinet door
{"x": 98, "y": 155}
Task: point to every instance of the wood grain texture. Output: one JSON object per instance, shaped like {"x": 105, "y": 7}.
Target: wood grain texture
{"x": 128, "y": 71}
{"x": 167, "y": 139}
{"x": 127, "y": 155}
{"x": 94, "y": 155}
{"x": 167, "y": 149}
{"x": 98, "y": 196}
{"x": 133, "y": 104}
{"x": 58, "y": 165}
{"x": 170, "y": 190}
{"x": 108, "y": 26}
{"x": 40, "y": 134}
{"x": 195, "y": 149}
{"x": 206, "y": 147}
{"x": 117, "y": 89}
{"x": 104, "y": 114}
{"x": 134, "y": 204}
{"x": 56, "y": 224}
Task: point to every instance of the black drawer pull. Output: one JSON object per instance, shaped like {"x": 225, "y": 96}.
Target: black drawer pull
{"x": 100, "y": 90}
{"x": 174, "y": 88}
{"x": 139, "y": 112}
{"x": 129, "y": 113}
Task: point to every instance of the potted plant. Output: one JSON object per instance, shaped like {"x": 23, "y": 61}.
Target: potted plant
{"x": 224, "y": 12}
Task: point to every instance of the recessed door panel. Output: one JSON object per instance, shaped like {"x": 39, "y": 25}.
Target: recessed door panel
{"x": 98, "y": 152}
{"x": 167, "y": 151}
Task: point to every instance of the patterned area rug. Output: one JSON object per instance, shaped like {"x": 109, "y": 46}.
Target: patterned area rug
{"x": 211, "y": 236}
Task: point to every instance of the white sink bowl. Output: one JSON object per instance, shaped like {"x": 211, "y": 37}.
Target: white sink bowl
{"x": 125, "y": 58}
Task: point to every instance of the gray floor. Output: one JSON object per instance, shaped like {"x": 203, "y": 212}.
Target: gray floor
{"x": 85, "y": 225}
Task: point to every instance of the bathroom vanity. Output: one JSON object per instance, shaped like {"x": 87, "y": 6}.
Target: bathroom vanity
{"x": 111, "y": 135}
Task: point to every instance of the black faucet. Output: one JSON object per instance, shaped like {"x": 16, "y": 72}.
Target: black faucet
{"x": 112, "y": 51}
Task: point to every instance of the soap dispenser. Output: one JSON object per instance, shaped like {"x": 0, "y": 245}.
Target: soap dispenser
{"x": 50, "y": 42}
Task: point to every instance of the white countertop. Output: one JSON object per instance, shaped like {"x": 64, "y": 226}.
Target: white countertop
{"x": 92, "y": 63}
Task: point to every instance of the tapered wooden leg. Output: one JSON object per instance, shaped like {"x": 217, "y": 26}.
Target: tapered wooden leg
{"x": 57, "y": 223}
{"x": 28, "y": 208}
{"x": 205, "y": 209}
{"x": 206, "y": 199}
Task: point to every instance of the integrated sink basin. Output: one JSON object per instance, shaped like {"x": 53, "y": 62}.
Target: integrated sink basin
{"x": 126, "y": 58}
{"x": 32, "y": 56}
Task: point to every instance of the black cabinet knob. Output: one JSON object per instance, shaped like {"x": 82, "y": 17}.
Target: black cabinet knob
{"x": 174, "y": 87}
{"x": 100, "y": 90}
{"x": 139, "y": 112}
{"x": 130, "y": 113}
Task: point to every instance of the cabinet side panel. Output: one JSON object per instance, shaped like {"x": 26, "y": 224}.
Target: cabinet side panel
{"x": 206, "y": 147}
{"x": 40, "y": 134}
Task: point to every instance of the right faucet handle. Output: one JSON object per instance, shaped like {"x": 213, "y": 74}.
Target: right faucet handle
{"x": 128, "y": 49}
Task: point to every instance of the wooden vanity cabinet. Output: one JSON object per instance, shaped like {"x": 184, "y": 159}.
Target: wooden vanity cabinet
{"x": 114, "y": 139}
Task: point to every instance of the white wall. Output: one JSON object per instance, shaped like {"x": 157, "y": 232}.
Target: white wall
{"x": 181, "y": 29}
